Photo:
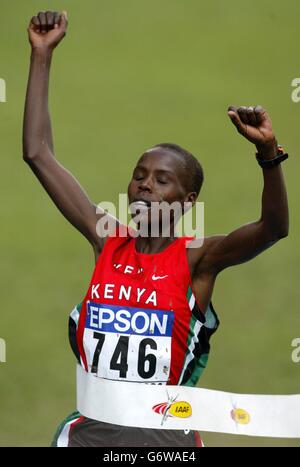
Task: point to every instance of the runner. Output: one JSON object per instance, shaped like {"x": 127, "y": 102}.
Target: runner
{"x": 147, "y": 315}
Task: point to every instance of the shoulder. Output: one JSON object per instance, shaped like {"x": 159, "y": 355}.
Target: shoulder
{"x": 115, "y": 235}
{"x": 201, "y": 253}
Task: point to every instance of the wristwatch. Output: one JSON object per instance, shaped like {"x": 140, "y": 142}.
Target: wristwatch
{"x": 269, "y": 163}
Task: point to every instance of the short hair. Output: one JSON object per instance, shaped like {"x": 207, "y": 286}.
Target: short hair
{"x": 195, "y": 177}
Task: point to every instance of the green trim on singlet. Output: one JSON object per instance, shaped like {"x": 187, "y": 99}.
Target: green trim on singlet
{"x": 211, "y": 320}
{"x": 207, "y": 328}
{"x": 199, "y": 368}
{"x": 200, "y": 363}
{"x": 190, "y": 336}
{"x": 68, "y": 419}
{"x": 189, "y": 294}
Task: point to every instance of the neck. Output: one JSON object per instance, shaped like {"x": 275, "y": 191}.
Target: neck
{"x": 153, "y": 245}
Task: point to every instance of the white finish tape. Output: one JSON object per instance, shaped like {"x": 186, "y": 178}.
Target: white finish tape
{"x": 187, "y": 408}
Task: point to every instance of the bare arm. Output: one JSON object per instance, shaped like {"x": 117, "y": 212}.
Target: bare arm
{"x": 249, "y": 240}
{"x": 45, "y": 32}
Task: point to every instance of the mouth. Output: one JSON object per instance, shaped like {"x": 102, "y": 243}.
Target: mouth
{"x": 142, "y": 202}
{"x": 140, "y": 205}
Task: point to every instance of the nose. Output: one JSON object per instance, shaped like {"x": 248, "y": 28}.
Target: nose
{"x": 145, "y": 184}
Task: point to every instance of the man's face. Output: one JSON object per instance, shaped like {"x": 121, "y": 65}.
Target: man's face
{"x": 158, "y": 176}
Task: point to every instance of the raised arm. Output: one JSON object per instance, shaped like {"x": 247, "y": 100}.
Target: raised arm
{"x": 249, "y": 240}
{"x": 46, "y": 30}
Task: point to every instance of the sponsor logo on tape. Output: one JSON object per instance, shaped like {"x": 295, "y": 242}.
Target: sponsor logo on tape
{"x": 240, "y": 416}
{"x": 179, "y": 409}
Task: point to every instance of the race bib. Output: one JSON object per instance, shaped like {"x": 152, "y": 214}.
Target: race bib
{"x": 126, "y": 343}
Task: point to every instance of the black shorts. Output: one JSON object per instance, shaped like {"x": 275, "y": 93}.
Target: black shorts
{"x": 78, "y": 431}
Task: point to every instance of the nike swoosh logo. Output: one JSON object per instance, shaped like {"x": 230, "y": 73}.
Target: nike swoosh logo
{"x": 155, "y": 278}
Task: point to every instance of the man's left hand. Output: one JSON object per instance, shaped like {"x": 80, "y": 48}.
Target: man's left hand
{"x": 255, "y": 124}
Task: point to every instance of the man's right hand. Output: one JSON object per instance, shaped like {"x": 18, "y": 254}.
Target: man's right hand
{"x": 47, "y": 29}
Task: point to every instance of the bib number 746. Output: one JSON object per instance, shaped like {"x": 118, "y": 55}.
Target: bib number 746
{"x": 146, "y": 363}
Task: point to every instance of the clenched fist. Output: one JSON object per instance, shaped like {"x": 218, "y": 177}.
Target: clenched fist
{"x": 47, "y": 29}
{"x": 255, "y": 124}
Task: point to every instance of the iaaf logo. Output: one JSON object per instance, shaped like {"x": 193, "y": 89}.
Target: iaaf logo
{"x": 179, "y": 409}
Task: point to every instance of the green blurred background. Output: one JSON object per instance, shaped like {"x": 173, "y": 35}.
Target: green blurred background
{"x": 127, "y": 76}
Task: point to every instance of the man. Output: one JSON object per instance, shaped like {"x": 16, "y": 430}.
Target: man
{"x": 166, "y": 173}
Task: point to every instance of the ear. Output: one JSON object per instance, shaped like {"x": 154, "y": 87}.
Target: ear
{"x": 191, "y": 197}
{"x": 189, "y": 201}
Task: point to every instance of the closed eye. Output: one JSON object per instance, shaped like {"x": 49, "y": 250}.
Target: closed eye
{"x": 162, "y": 182}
